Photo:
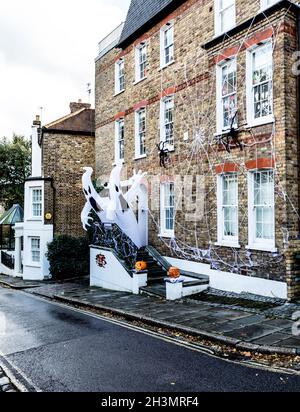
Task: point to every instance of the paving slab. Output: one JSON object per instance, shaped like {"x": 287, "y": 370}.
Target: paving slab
{"x": 251, "y": 333}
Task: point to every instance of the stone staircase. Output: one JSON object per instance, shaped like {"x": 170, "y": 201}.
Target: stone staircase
{"x": 158, "y": 268}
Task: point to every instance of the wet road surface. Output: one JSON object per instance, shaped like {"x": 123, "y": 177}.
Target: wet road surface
{"x": 63, "y": 350}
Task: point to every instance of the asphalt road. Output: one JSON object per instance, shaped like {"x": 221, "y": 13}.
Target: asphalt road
{"x": 62, "y": 350}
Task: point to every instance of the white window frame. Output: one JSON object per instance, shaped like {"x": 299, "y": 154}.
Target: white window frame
{"x": 118, "y": 123}
{"x": 250, "y": 88}
{"x": 265, "y": 4}
{"x": 268, "y": 245}
{"x": 164, "y": 232}
{"x": 218, "y": 18}
{"x": 139, "y": 63}
{"x": 138, "y": 134}
{"x": 118, "y": 85}
{"x": 163, "y": 122}
{"x": 220, "y": 97}
{"x": 41, "y": 203}
{"x": 163, "y": 48}
{"x": 35, "y": 250}
{"x": 223, "y": 240}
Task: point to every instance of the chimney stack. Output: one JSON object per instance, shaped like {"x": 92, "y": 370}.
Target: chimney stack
{"x": 75, "y": 106}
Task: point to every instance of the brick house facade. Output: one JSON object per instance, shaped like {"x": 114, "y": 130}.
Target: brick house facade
{"x": 242, "y": 141}
{"x": 67, "y": 147}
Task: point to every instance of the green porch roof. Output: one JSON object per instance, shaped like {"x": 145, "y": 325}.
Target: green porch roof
{"x": 12, "y": 216}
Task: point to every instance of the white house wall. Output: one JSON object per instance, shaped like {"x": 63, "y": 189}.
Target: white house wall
{"x": 231, "y": 282}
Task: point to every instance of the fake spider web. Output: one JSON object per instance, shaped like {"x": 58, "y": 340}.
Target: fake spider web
{"x": 204, "y": 150}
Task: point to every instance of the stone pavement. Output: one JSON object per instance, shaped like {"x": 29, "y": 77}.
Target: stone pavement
{"x": 260, "y": 331}
{"x": 5, "y": 383}
{"x": 267, "y": 327}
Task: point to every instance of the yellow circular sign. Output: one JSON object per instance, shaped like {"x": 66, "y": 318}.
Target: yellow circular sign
{"x": 48, "y": 216}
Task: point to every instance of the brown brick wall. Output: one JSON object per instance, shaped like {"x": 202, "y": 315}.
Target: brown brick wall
{"x": 192, "y": 77}
{"x": 64, "y": 156}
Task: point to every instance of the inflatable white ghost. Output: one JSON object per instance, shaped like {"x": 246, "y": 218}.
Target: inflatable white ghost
{"x": 117, "y": 208}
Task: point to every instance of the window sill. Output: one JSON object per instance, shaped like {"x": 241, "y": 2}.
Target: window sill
{"x": 170, "y": 148}
{"x": 166, "y": 235}
{"x": 32, "y": 219}
{"x": 118, "y": 93}
{"x": 262, "y": 248}
{"x": 33, "y": 265}
{"x": 140, "y": 157}
{"x": 222, "y": 33}
{"x": 234, "y": 245}
{"x": 261, "y": 122}
{"x": 224, "y": 132}
{"x": 165, "y": 66}
{"x": 140, "y": 81}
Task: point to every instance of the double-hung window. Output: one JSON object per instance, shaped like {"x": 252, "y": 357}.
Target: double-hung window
{"x": 120, "y": 140}
{"x": 225, "y": 15}
{"x": 167, "y": 209}
{"x": 167, "y": 45}
{"x": 167, "y": 122}
{"x": 35, "y": 244}
{"x": 36, "y": 202}
{"x": 228, "y": 231}
{"x": 226, "y": 95}
{"x": 141, "y": 62}
{"x": 140, "y": 133}
{"x": 120, "y": 76}
{"x": 260, "y": 84}
{"x": 261, "y": 210}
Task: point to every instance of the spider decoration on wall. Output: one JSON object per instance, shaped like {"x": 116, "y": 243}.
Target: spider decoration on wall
{"x": 232, "y": 137}
{"x": 163, "y": 154}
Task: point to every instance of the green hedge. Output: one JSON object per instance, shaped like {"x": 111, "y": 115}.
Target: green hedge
{"x": 68, "y": 257}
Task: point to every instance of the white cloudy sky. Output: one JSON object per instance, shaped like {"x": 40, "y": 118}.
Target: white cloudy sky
{"x": 47, "y": 52}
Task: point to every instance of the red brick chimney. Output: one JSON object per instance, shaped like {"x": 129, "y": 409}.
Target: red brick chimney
{"x": 75, "y": 106}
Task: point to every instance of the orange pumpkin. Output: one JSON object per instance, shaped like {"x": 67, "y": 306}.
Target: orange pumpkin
{"x": 174, "y": 273}
{"x": 140, "y": 266}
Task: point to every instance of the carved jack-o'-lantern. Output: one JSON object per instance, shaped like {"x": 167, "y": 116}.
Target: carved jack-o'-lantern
{"x": 174, "y": 273}
{"x": 140, "y": 266}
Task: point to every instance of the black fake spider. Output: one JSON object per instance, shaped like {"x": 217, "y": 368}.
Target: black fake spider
{"x": 232, "y": 136}
{"x": 163, "y": 154}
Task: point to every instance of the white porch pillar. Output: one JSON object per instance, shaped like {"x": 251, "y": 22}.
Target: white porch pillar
{"x": 18, "y": 258}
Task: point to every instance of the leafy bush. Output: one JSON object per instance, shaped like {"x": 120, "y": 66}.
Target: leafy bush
{"x": 68, "y": 257}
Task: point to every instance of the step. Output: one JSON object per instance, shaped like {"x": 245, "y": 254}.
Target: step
{"x": 195, "y": 283}
{"x": 158, "y": 279}
{"x": 157, "y": 271}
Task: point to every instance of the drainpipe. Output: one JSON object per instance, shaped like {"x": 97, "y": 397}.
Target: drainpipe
{"x": 54, "y": 204}
{"x": 298, "y": 114}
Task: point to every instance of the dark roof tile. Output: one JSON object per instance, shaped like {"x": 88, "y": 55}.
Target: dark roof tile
{"x": 142, "y": 13}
